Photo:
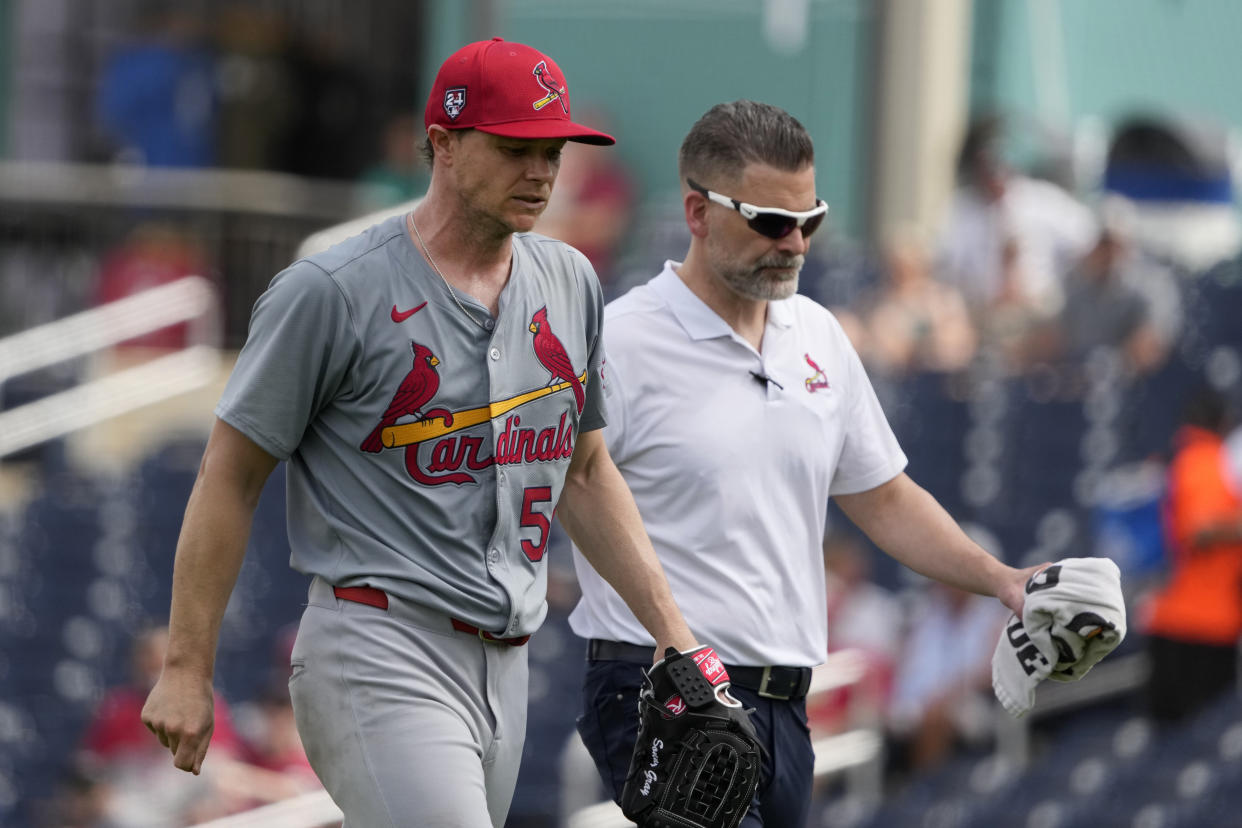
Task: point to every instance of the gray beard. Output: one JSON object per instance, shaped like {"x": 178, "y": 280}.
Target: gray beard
{"x": 753, "y": 282}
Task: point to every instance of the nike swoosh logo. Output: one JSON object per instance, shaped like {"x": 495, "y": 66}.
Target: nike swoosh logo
{"x": 401, "y": 316}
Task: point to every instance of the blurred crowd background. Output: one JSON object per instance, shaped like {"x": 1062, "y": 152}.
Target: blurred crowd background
{"x": 1033, "y": 243}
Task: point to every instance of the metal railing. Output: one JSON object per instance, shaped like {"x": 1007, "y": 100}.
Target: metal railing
{"x": 311, "y": 810}
{"x": 59, "y": 222}
{"x": 191, "y": 299}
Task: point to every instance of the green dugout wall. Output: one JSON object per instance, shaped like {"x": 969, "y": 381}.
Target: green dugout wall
{"x": 654, "y": 66}
{"x": 1065, "y": 61}
{"x": 1117, "y": 55}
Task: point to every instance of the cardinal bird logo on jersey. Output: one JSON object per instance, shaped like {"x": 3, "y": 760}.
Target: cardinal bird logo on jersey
{"x": 552, "y": 355}
{"x": 416, "y": 390}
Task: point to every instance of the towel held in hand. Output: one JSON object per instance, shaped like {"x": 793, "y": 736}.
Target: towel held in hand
{"x": 1074, "y": 615}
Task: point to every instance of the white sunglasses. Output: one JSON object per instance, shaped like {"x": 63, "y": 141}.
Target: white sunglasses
{"x": 772, "y": 222}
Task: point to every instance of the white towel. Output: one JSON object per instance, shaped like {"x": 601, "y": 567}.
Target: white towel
{"x": 1073, "y": 616}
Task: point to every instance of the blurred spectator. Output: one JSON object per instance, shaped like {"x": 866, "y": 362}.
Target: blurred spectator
{"x": 841, "y": 275}
{"x": 914, "y": 322}
{"x": 329, "y": 131}
{"x": 255, "y": 86}
{"x": 399, "y": 175}
{"x": 1128, "y": 524}
{"x": 593, "y": 205}
{"x": 157, "y": 97}
{"x": 1176, "y": 173}
{"x": 866, "y": 619}
{"x": 1007, "y": 238}
{"x": 268, "y": 728}
{"x": 1194, "y": 622}
{"x": 1110, "y": 301}
{"x": 143, "y": 789}
{"x": 942, "y": 692}
{"x": 153, "y": 254}
{"x": 276, "y": 765}
{"x": 1233, "y": 459}
{"x": 79, "y": 800}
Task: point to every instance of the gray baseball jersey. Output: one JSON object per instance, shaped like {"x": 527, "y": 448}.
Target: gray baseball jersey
{"x": 426, "y": 452}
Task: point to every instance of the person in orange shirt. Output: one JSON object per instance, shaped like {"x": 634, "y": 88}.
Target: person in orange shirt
{"x": 1195, "y": 619}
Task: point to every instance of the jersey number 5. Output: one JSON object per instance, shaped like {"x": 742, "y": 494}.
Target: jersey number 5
{"x": 530, "y": 497}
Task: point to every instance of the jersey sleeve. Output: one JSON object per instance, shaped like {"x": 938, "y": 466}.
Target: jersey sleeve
{"x": 595, "y": 409}
{"x": 296, "y": 359}
{"x": 870, "y": 455}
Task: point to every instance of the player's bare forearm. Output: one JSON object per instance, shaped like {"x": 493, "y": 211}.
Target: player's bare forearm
{"x": 212, "y": 544}
{"x": 911, "y": 526}
{"x": 179, "y": 709}
{"x": 598, "y": 511}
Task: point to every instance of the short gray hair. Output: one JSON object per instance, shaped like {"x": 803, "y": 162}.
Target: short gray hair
{"x": 731, "y": 136}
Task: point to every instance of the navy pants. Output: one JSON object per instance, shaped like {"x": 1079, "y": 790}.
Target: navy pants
{"x": 609, "y": 728}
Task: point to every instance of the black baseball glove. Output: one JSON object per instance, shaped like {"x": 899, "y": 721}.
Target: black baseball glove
{"x": 697, "y": 761}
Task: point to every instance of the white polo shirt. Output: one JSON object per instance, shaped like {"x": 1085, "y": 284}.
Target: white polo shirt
{"x": 732, "y": 472}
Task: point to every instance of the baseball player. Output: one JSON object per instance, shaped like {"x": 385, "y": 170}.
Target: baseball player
{"x": 433, "y": 386}
{"x": 738, "y": 409}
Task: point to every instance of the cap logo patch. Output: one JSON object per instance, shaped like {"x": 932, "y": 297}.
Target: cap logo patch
{"x": 454, "y": 101}
{"x": 556, "y": 91}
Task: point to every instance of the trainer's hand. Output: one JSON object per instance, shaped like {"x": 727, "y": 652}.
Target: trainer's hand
{"x": 1013, "y": 592}
{"x": 684, "y": 643}
{"x": 180, "y": 712}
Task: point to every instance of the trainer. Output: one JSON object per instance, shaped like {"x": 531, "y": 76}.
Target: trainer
{"x": 737, "y": 409}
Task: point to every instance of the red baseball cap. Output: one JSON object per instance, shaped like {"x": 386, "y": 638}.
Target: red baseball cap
{"x": 505, "y": 89}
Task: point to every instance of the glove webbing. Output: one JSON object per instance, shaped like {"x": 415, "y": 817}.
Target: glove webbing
{"x": 709, "y": 792}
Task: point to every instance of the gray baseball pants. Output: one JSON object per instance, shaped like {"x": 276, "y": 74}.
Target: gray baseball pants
{"x": 406, "y": 721}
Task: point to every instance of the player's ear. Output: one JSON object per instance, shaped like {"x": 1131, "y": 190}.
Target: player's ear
{"x": 695, "y": 205}
{"x": 442, "y": 142}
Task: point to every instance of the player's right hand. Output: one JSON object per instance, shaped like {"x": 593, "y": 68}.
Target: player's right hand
{"x": 180, "y": 712}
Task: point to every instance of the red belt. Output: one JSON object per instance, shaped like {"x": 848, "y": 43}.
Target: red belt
{"x": 373, "y": 597}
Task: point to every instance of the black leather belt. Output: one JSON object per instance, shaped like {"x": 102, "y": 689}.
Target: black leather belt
{"x": 781, "y": 683}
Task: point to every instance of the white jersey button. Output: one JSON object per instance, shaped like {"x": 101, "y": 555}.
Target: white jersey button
{"x": 494, "y": 555}
{"x": 494, "y": 353}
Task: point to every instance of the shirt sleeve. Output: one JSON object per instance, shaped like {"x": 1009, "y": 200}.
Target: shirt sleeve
{"x": 296, "y": 359}
{"x": 870, "y": 455}
{"x": 614, "y": 393}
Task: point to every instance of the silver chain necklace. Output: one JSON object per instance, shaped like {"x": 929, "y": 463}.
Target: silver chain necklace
{"x": 440, "y": 273}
